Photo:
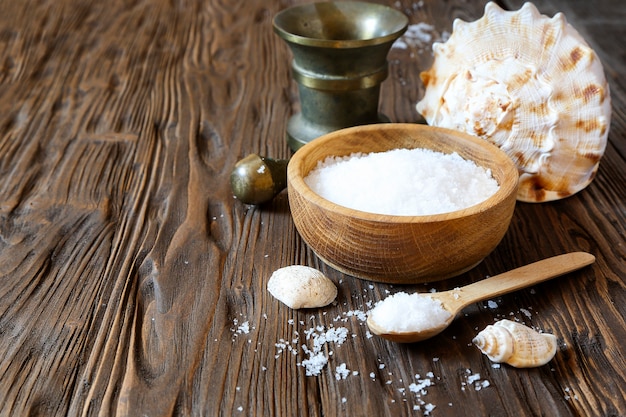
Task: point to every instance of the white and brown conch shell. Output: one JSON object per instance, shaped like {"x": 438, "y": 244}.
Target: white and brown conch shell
{"x": 531, "y": 85}
{"x": 301, "y": 286}
{"x": 515, "y": 344}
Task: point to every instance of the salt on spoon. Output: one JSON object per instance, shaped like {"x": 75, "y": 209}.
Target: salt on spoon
{"x": 422, "y": 316}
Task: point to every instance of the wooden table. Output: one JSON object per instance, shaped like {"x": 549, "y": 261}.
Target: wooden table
{"x": 133, "y": 283}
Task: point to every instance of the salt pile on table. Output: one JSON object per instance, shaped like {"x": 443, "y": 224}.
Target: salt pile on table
{"x": 408, "y": 182}
{"x": 404, "y": 312}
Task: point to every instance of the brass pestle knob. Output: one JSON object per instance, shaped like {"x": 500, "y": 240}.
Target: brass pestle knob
{"x": 256, "y": 179}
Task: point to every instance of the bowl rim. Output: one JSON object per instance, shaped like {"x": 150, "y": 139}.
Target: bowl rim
{"x": 296, "y": 181}
{"x": 394, "y": 32}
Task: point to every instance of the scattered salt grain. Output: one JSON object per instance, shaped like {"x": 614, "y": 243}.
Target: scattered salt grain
{"x": 420, "y": 387}
{"x": 409, "y": 312}
{"x": 406, "y": 182}
{"x": 568, "y": 396}
{"x": 244, "y": 328}
{"x": 359, "y": 314}
{"x": 320, "y": 337}
{"x": 473, "y": 378}
{"x": 314, "y": 364}
{"x": 341, "y": 372}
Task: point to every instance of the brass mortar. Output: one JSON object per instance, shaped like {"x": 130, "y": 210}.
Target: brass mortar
{"x": 339, "y": 61}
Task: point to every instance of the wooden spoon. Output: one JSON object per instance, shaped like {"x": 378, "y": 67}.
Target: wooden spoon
{"x": 455, "y": 300}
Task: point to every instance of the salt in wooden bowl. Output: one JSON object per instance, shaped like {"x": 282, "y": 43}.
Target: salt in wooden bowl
{"x": 401, "y": 249}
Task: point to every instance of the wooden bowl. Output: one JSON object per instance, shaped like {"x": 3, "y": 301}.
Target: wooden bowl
{"x": 401, "y": 249}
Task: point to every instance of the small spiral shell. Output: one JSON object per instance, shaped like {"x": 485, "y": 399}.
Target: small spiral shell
{"x": 515, "y": 344}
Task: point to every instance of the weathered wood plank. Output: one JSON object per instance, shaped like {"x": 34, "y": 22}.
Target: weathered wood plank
{"x": 132, "y": 282}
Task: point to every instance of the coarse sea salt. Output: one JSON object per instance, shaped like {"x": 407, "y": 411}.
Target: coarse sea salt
{"x": 402, "y": 312}
{"x": 406, "y": 182}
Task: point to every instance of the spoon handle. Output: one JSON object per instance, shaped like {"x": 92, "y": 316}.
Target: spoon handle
{"x": 519, "y": 278}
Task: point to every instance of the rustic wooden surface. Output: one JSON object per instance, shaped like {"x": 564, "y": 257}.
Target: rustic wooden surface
{"x": 133, "y": 283}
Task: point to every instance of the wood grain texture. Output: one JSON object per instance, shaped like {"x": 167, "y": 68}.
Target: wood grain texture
{"x": 133, "y": 283}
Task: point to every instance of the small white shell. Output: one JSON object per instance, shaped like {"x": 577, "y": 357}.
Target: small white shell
{"x": 515, "y": 344}
{"x": 300, "y": 286}
{"x": 529, "y": 84}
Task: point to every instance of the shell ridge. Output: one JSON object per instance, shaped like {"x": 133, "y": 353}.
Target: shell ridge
{"x": 495, "y": 342}
{"x": 518, "y": 345}
{"x": 458, "y": 25}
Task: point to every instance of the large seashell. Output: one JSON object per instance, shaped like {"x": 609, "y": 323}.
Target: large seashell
{"x": 300, "y": 286}
{"x": 531, "y": 85}
{"x": 518, "y": 345}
